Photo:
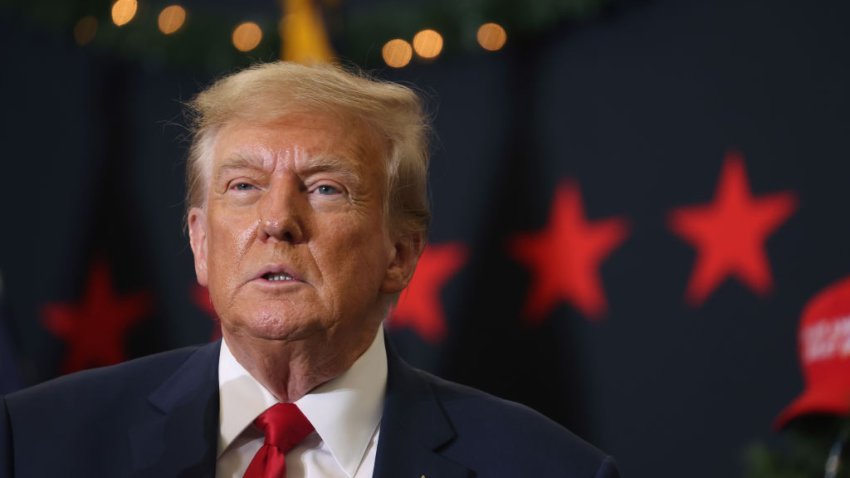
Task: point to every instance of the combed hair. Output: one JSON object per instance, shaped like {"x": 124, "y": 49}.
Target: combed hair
{"x": 270, "y": 91}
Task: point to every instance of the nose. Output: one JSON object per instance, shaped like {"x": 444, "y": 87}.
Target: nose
{"x": 281, "y": 211}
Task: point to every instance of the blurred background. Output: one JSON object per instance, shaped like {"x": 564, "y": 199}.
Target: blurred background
{"x": 633, "y": 200}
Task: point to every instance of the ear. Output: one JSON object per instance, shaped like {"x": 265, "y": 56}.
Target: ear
{"x": 198, "y": 240}
{"x": 405, "y": 255}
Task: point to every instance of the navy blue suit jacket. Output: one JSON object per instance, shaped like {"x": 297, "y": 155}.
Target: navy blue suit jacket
{"x": 158, "y": 417}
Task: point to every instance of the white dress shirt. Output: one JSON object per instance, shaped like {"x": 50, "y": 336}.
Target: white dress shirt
{"x": 345, "y": 413}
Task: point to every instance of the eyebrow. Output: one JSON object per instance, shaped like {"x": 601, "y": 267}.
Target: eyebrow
{"x": 330, "y": 163}
{"x": 238, "y": 161}
{"x": 316, "y": 164}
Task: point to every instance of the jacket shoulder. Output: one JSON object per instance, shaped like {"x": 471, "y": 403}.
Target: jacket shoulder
{"x": 513, "y": 439}
{"x": 99, "y": 386}
{"x": 95, "y": 417}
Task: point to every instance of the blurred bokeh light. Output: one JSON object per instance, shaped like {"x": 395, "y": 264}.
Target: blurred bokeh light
{"x": 123, "y": 11}
{"x": 492, "y": 36}
{"x": 428, "y": 43}
{"x": 247, "y": 36}
{"x": 85, "y": 30}
{"x": 171, "y": 18}
{"x": 397, "y": 53}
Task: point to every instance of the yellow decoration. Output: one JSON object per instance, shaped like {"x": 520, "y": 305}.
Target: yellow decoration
{"x": 302, "y": 33}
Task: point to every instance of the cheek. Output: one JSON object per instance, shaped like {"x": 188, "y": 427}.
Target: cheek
{"x": 228, "y": 242}
{"x": 353, "y": 257}
{"x": 242, "y": 238}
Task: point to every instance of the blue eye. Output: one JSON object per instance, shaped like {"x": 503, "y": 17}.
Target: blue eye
{"x": 243, "y": 186}
{"x": 327, "y": 190}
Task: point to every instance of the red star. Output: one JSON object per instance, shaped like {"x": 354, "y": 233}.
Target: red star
{"x": 419, "y": 306}
{"x": 565, "y": 257}
{"x": 201, "y": 298}
{"x": 94, "y": 329}
{"x": 729, "y": 233}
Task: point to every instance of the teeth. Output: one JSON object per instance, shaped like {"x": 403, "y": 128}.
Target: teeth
{"x": 278, "y": 277}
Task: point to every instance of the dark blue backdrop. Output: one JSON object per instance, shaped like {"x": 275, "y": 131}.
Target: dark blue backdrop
{"x": 636, "y": 109}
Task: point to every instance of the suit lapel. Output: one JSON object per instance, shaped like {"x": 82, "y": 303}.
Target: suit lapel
{"x": 413, "y": 427}
{"x": 177, "y": 434}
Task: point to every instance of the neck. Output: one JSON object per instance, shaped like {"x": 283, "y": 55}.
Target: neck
{"x": 290, "y": 369}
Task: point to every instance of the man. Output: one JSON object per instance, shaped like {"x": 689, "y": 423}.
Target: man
{"x": 307, "y": 214}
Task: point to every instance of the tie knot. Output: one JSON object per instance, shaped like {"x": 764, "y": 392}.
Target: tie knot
{"x": 284, "y": 426}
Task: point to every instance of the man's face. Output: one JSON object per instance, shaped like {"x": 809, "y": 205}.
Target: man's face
{"x": 293, "y": 239}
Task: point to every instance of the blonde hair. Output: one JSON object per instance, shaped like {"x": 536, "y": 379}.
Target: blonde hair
{"x": 269, "y": 91}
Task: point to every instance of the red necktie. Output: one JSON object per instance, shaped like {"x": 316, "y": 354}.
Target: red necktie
{"x": 284, "y": 427}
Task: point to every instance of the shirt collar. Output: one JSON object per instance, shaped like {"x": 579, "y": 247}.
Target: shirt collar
{"x": 344, "y": 411}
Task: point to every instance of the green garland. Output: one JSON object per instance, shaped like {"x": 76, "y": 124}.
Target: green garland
{"x": 802, "y": 451}
{"x": 458, "y": 21}
{"x": 204, "y": 40}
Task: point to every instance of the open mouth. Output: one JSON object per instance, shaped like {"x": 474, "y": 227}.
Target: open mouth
{"x": 277, "y": 277}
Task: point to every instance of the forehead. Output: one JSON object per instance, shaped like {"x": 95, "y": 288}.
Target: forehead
{"x": 297, "y": 139}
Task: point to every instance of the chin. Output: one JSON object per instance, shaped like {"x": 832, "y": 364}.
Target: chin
{"x": 273, "y": 326}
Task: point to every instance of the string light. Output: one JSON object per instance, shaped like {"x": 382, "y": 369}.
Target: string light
{"x": 246, "y": 36}
{"x": 123, "y": 11}
{"x": 85, "y": 30}
{"x": 171, "y": 18}
{"x": 428, "y": 43}
{"x": 491, "y": 36}
{"x": 397, "y": 53}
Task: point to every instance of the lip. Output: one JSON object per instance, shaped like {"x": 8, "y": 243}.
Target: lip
{"x": 276, "y": 269}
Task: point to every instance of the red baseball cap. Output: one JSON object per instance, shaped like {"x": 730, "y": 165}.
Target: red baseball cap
{"x": 823, "y": 342}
